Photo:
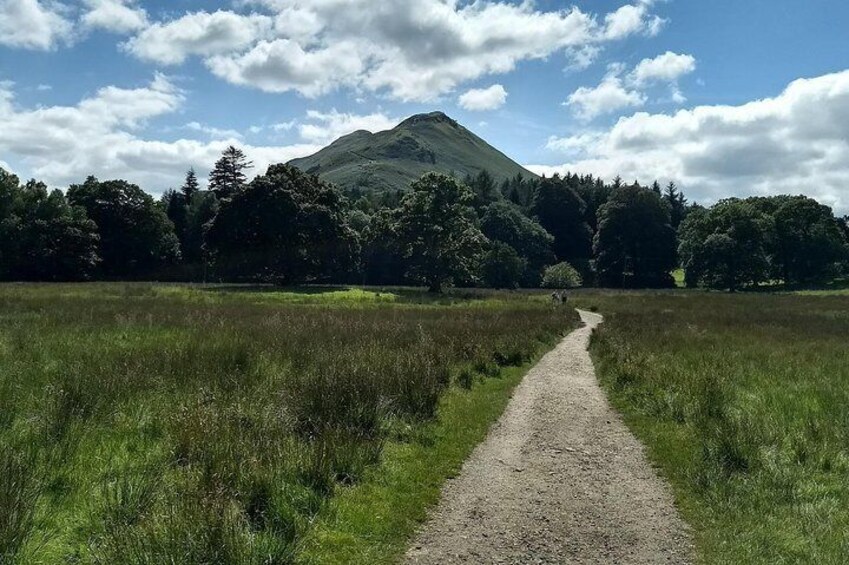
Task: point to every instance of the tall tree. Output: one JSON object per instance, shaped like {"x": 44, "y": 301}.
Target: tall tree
{"x": 44, "y": 238}
{"x": 175, "y": 204}
{"x": 809, "y": 244}
{"x": 228, "y": 175}
{"x": 677, "y": 204}
{"x": 725, "y": 246}
{"x": 436, "y": 227}
{"x": 655, "y": 186}
{"x": 136, "y": 236}
{"x": 635, "y": 243}
{"x": 383, "y": 252}
{"x": 505, "y": 223}
{"x": 199, "y": 213}
{"x": 501, "y": 266}
{"x": 560, "y": 210}
{"x": 286, "y": 227}
{"x": 190, "y": 186}
{"x": 484, "y": 189}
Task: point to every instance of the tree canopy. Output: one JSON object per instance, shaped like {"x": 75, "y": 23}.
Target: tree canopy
{"x": 438, "y": 232}
{"x": 725, "y": 246}
{"x": 136, "y": 236}
{"x": 560, "y": 210}
{"x": 507, "y": 224}
{"x": 285, "y": 226}
{"x": 228, "y": 175}
{"x": 635, "y": 242}
{"x": 43, "y": 237}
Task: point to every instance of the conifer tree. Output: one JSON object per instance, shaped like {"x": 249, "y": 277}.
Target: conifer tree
{"x": 228, "y": 176}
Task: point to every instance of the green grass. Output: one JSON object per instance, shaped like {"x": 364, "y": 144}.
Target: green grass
{"x": 143, "y": 423}
{"x": 743, "y": 403}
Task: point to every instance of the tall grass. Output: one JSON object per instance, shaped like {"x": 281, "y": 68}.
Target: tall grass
{"x": 164, "y": 424}
{"x": 743, "y": 402}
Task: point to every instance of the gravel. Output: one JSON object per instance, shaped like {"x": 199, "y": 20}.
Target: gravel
{"x": 560, "y": 479}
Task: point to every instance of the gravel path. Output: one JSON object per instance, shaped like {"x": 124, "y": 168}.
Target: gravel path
{"x": 560, "y": 479}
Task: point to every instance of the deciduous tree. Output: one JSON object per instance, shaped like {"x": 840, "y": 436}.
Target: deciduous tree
{"x": 635, "y": 243}
{"x": 437, "y": 231}
{"x": 285, "y": 226}
{"x": 136, "y": 236}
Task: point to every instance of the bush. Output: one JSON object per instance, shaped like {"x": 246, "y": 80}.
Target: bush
{"x": 561, "y": 275}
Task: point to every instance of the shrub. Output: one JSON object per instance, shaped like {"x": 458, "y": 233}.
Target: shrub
{"x": 561, "y": 275}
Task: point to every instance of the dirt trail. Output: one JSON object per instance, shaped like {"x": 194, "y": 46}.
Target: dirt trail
{"x": 560, "y": 479}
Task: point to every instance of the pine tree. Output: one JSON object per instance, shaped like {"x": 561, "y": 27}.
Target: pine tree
{"x": 228, "y": 176}
{"x": 190, "y": 187}
{"x": 617, "y": 182}
{"x": 677, "y": 204}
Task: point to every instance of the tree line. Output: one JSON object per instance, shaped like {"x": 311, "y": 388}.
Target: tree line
{"x": 289, "y": 227}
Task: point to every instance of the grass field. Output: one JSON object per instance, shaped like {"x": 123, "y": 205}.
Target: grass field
{"x": 743, "y": 401}
{"x": 172, "y": 424}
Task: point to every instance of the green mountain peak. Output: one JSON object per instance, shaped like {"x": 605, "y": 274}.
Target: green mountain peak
{"x": 392, "y": 159}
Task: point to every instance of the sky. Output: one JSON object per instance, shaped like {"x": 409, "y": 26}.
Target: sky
{"x": 723, "y": 97}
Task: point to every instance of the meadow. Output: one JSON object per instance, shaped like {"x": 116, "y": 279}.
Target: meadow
{"x": 147, "y": 423}
{"x": 743, "y": 402}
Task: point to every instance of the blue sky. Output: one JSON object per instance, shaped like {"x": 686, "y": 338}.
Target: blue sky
{"x": 725, "y": 97}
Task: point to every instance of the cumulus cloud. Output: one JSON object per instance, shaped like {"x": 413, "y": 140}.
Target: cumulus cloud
{"x": 412, "y": 49}
{"x": 481, "y": 99}
{"x": 615, "y": 93}
{"x": 282, "y": 65}
{"x": 796, "y": 142}
{"x": 611, "y": 95}
{"x": 102, "y": 135}
{"x": 198, "y": 33}
{"x": 33, "y": 24}
{"x": 329, "y": 126}
{"x": 668, "y": 67}
{"x": 117, "y": 16}
{"x": 631, "y": 19}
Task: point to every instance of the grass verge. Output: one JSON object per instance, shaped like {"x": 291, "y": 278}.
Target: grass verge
{"x": 372, "y": 522}
{"x": 743, "y": 405}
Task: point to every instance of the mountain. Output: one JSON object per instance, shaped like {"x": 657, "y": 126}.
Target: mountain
{"x": 392, "y": 159}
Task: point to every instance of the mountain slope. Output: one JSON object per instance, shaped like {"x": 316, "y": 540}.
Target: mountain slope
{"x": 391, "y": 159}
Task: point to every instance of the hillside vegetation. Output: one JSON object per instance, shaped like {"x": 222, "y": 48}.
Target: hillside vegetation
{"x": 389, "y": 160}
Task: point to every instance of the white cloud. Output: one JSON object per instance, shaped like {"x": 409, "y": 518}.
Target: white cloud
{"x": 481, "y": 99}
{"x": 611, "y": 95}
{"x": 631, "y": 19}
{"x": 668, "y": 67}
{"x": 213, "y": 132}
{"x": 413, "y": 49}
{"x": 198, "y": 33}
{"x": 329, "y": 126}
{"x": 33, "y": 24}
{"x": 615, "y": 93}
{"x": 117, "y": 16}
{"x": 796, "y": 142}
{"x": 282, "y": 65}
{"x": 101, "y": 135}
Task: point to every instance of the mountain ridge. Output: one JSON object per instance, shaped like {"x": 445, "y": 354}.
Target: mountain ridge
{"x": 392, "y": 159}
